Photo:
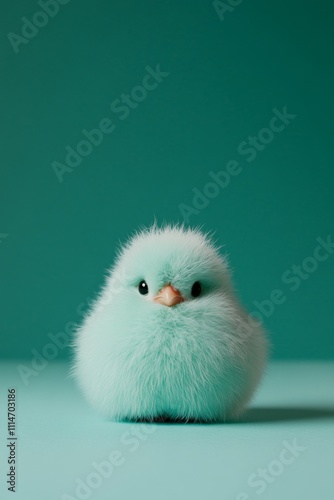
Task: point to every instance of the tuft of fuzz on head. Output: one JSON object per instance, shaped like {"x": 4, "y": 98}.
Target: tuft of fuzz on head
{"x": 198, "y": 360}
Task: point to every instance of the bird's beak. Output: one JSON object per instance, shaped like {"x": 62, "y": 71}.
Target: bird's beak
{"x": 169, "y": 296}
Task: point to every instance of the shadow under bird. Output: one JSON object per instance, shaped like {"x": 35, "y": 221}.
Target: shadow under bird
{"x": 167, "y": 340}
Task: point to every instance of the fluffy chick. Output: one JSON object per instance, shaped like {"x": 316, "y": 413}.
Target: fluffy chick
{"x": 166, "y": 339}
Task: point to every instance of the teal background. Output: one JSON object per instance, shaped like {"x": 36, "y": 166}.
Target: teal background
{"x": 225, "y": 79}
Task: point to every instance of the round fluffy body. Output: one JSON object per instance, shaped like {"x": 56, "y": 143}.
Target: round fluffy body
{"x": 198, "y": 360}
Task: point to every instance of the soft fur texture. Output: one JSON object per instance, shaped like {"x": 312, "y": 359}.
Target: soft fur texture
{"x": 199, "y": 360}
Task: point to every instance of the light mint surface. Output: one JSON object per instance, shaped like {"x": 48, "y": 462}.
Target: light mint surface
{"x": 60, "y": 437}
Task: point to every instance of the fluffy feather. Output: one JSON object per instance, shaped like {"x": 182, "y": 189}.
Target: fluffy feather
{"x": 199, "y": 360}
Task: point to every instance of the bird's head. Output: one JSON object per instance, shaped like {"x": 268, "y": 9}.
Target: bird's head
{"x": 171, "y": 267}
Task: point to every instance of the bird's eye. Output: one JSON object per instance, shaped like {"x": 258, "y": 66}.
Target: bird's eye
{"x": 143, "y": 288}
{"x": 196, "y": 289}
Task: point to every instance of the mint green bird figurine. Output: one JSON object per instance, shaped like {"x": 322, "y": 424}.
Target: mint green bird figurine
{"x": 167, "y": 340}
